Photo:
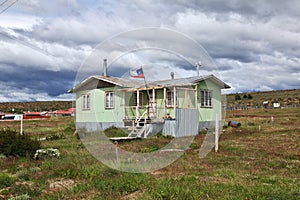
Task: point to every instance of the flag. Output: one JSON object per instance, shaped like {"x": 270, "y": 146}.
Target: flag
{"x": 137, "y": 73}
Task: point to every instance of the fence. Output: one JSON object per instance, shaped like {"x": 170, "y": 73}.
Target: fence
{"x": 260, "y": 107}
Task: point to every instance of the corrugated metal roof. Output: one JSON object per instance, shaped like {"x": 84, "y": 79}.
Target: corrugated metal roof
{"x": 123, "y": 82}
{"x": 136, "y": 84}
{"x": 188, "y": 81}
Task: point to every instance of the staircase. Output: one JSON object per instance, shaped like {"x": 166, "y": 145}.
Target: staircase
{"x": 137, "y": 131}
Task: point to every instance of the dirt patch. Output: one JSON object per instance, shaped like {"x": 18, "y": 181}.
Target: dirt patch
{"x": 134, "y": 195}
{"x": 60, "y": 184}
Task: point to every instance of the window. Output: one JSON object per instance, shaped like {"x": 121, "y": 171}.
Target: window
{"x": 109, "y": 100}
{"x": 170, "y": 98}
{"x": 206, "y": 98}
{"x": 86, "y": 102}
{"x": 141, "y": 99}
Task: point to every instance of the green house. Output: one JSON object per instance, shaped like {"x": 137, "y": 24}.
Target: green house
{"x": 177, "y": 107}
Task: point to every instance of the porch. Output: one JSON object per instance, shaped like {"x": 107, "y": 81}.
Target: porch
{"x": 153, "y": 105}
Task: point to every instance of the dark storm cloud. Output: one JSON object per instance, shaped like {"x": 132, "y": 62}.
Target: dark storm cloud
{"x": 258, "y": 9}
{"x": 38, "y": 81}
{"x": 254, "y": 43}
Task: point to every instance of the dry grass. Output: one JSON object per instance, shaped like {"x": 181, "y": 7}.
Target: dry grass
{"x": 252, "y": 163}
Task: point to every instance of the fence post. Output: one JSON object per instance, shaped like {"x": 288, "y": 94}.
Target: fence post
{"x": 21, "y": 129}
{"x": 217, "y": 133}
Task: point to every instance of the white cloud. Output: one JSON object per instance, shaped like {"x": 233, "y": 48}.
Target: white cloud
{"x": 19, "y": 21}
{"x": 255, "y": 44}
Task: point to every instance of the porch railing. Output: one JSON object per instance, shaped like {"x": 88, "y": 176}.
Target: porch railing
{"x": 143, "y": 112}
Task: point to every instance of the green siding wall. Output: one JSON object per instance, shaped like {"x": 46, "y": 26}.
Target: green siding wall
{"x": 97, "y": 111}
{"x": 209, "y": 114}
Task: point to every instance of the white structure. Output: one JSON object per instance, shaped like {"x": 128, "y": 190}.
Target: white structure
{"x": 276, "y": 105}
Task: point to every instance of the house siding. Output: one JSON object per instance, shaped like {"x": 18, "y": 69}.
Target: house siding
{"x": 99, "y": 118}
{"x": 207, "y": 115}
{"x": 97, "y": 111}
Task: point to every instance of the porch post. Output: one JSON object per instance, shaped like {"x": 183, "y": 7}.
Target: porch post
{"x": 196, "y": 96}
{"x": 153, "y": 101}
{"x": 153, "y": 95}
{"x": 165, "y": 102}
{"x": 124, "y": 105}
{"x": 137, "y": 114}
{"x": 174, "y": 99}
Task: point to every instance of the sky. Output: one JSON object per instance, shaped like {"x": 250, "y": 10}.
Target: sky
{"x": 48, "y": 46}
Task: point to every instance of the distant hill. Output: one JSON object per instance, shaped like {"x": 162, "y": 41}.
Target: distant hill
{"x": 35, "y": 106}
{"x": 253, "y": 99}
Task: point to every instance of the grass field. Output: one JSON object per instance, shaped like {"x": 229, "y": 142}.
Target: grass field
{"x": 284, "y": 97}
{"x": 259, "y": 160}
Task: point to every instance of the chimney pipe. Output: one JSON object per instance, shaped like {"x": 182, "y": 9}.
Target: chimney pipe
{"x": 198, "y": 64}
{"x": 105, "y": 67}
{"x": 172, "y": 75}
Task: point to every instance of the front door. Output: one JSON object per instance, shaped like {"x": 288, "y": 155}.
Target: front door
{"x": 151, "y": 105}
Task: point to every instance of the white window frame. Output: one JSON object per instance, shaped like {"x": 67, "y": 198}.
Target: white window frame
{"x": 141, "y": 99}
{"x": 170, "y": 98}
{"x": 86, "y": 102}
{"x": 109, "y": 100}
{"x": 206, "y": 98}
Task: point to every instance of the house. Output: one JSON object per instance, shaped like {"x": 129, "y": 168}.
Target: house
{"x": 69, "y": 112}
{"x": 13, "y": 117}
{"x": 276, "y": 105}
{"x": 177, "y": 107}
{"x": 265, "y": 104}
{"x": 35, "y": 115}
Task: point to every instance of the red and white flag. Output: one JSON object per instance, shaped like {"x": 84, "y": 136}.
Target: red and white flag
{"x": 138, "y": 73}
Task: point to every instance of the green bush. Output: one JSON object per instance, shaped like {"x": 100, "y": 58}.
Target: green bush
{"x": 56, "y": 137}
{"x": 70, "y": 128}
{"x": 237, "y": 97}
{"x": 14, "y": 144}
{"x": 115, "y": 132}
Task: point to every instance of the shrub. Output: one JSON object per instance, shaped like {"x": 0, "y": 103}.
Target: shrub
{"x": 56, "y": 137}
{"x": 70, "y": 128}
{"x": 46, "y": 153}
{"x": 14, "y": 144}
{"x": 115, "y": 132}
{"x": 237, "y": 97}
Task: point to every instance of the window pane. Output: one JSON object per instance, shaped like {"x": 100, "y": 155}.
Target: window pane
{"x": 87, "y": 101}
{"x": 107, "y": 100}
{"x": 202, "y": 98}
{"x": 170, "y": 98}
{"x": 111, "y": 100}
{"x": 134, "y": 99}
{"x": 209, "y": 98}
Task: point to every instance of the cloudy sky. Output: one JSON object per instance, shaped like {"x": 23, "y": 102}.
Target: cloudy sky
{"x": 47, "y": 46}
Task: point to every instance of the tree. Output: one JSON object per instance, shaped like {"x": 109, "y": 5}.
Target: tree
{"x": 237, "y": 97}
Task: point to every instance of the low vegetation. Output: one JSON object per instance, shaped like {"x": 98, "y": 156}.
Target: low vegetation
{"x": 12, "y": 143}
{"x": 20, "y": 107}
{"x": 259, "y": 160}
{"x": 253, "y": 99}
